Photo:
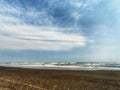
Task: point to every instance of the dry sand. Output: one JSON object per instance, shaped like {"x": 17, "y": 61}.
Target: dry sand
{"x": 32, "y": 79}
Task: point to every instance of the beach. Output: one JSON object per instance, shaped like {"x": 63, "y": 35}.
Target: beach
{"x": 12, "y": 78}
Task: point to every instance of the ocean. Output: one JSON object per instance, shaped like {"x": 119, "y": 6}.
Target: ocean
{"x": 65, "y": 65}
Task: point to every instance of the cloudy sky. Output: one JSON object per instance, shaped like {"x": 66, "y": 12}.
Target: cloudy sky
{"x": 60, "y": 30}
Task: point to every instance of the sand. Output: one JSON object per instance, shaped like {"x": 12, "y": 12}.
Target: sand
{"x": 34, "y": 79}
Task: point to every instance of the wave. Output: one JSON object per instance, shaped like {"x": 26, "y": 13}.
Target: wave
{"x": 65, "y": 65}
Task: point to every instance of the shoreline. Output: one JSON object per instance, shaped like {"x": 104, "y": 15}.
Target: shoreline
{"x": 63, "y": 68}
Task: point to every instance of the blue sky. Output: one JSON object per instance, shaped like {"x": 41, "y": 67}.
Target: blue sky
{"x": 60, "y": 30}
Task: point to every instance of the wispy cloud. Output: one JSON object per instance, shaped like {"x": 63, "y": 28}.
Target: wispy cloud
{"x": 55, "y": 25}
{"x": 17, "y": 34}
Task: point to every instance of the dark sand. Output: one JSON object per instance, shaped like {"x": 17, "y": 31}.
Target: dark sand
{"x": 31, "y": 79}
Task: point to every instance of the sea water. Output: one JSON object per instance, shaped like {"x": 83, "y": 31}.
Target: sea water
{"x": 65, "y": 65}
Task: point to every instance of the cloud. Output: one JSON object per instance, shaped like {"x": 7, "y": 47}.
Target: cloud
{"x": 84, "y": 4}
{"x": 17, "y": 34}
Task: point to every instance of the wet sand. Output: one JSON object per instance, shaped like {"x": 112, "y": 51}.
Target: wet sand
{"x": 34, "y": 79}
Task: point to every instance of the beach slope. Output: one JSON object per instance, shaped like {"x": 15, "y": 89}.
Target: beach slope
{"x": 34, "y": 79}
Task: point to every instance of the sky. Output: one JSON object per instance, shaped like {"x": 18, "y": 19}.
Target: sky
{"x": 60, "y": 30}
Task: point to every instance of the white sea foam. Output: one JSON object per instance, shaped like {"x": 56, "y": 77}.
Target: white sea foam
{"x": 65, "y": 65}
